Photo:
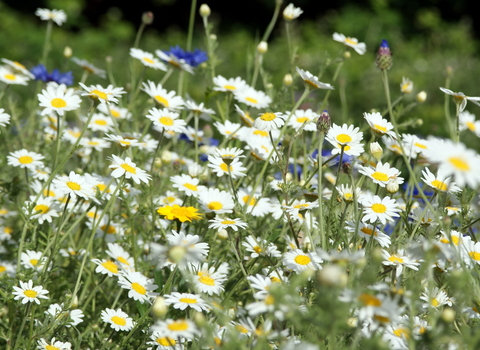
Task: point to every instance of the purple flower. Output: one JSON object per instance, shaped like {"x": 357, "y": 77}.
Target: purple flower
{"x": 193, "y": 58}
{"x": 40, "y": 72}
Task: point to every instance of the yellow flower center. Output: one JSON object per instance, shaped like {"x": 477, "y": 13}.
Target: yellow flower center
{"x": 261, "y": 133}
{"x": 225, "y": 167}
{"x": 99, "y": 94}
{"x": 303, "y": 120}
{"x": 10, "y": 76}
{"x": 459, "y": 163}
{"x": 302, "y": 259}
{"x": 251, "y": 100}
{"x": 166, "y": 341}
{"x": 148, "y": 60}
{"x": 228, "y": 222}
{"x": 166, "y": 121}
{"x": 58, "y": 103}
{"x": 178, "y": 326}
{"x": 2, "y": 268}
{"x": 249, "y": 199}
{"x": 241, "y": 329}
{"x": 380, "y": 176}
{"x": 434, "y": 302}
{"x": 119, "y": 320}
{"x": 19, "y": 65}
{"x": 110, "y": 266}
{"x": 25, "y": 159}
{"x": 137, "y": 287}
{"x": 369, "y": 300}
{"x": 471, "y": 126}
{"x": 190, "y": 187}
{"x": 344, "y": 138}
{"x": 114, "y": 113}
{"x": 351, "y": 41}
{"x": 129, "y": 168}
{"x": 51, "y": 347}
{"x": 368, "y": 231}
{"x": 30, "y": 293}
{"x": 73, "y": 186}
{"x": 34, "y": 262}
{"x": 455, "y": 240}
{"x": 215, "y": 205}
{"x": 442, "y": 186}
{"x": 206, "y": 279}
{"x": 101, "y": 122}
{"x": 123, "y": 260}
{"x": 42, "y": 208}
{"x": 396, "y": 259}
{"x": 379, "y": 208}
{"x": 229, "y": 87}
{"x": 380, "y": 128}
{"x": 110, "y": 230}
{"x": 161, "y": 100}
{"x": 269, "y": 300}
{"x": 267, "y": 117}
{"x": 257, "y": 249}
{"x": 474, "y": 255}
{"x": 188, "y": 300}
{"x": 420, "y": 145}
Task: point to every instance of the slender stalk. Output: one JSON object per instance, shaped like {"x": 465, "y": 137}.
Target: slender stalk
{"x": 319, "y": 191}
{"x": 327, "y": 95}
{"x": 191, "y": 24}
{"x": 46, "y": 45}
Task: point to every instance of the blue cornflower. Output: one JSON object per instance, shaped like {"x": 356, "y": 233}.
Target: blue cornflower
{"x": 40, "y": 72}
{"x": 193, "y": 58}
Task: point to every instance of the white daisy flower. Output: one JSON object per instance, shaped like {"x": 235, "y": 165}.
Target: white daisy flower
{"x": 183, "y": 300}
{"x": 89, "y": 68}
{"x": 291, "y": 12}
{"x": 376, "y": 208}
{"x": 163, "y": 97}
{"x": 53, "y": 345}
{"x": 441, "y": 182}
{"x": 406, "y": 86}
{"x": 122, "y": 141}
{"x": 117, "y": 319}
{"x": 129, "y": 169}
{"x": 311, "y": 81}
{"x": 435, "y": 298}
{"x": 57, "y": 16}
{"x": 175, "y": 328}
{"x": 161, "y": 341}
{"x": 252, "y": 97}
{"x": 198, "y": 108}
{"x": 28, "y": 293}
{"x": 305, "y": 119}
{"x": 33, "y": 260}
{"x": 147, "y": 59}
{"x": 166, "y": 120}
{"x": 140, "y": 288}
{"x": 360, "y": 48}
{"x": 233, "y": 169}
{"x": 455, "y": 160}
{"x": 25, "y": 159}
{"x": 74, "y": 185}
{"x": 347, "y": 194}
{"x": 216, "y": 201}
{"x": 378, "y": 124}
{"x": 259, "y": 246}
{"x": 219, "y": 223}
{"x": 11, "y": 78}
{"x": 381, "y": 174}
{"x": 4, "y": 118}
{"x": 298, "y": 260}
{"x": 174, "y": 61}
{"x": 467, "y": 121}
{"x": 103, "y": 95}
{"x": 106, "y": 267}
{"x": 209, "y": 280}
{"x": 227, "y": 129}
{"x": 255, "y": 205}
{"x": 399, "y": 260}
{"x": 100, "y": 122}
{"x": 244, "y": 116}
{"x": 366, "y": 231}
{"x": 60, "y": 313}
{"x": 347, "y": 138}
{"x": 226, "y": 85}
{"x": 187, "y": 184}
{"x": 44, "y": 209}
{"x": 17, "y": 66}
{"x": 58, "y": 99}
{"x": 115, "y": 251}
{"x": 269, "y": 121}
{"x": 460, "y": 98}
{"x": 114, "y": 111}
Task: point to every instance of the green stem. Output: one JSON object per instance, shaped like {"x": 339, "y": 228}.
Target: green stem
{"x": 325, "y": 99}
{"x": 319, "y": 191}
{"x": 46, "y": 45}
{"x": 191, "y": 24}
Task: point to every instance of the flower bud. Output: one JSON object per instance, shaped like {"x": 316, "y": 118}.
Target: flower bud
{"x": 67, "y": 52}
{"x": 347, "y": 54}
{"x": 392, "y": 186}
{"x": 213, "y": 37}
{"x": 222, "y": 234}
{"x": 384, "y": 56}
{"x": 262, "y": 47}
{"x": 205, "y": 10}
{"x": 177, "y": 254}
{"x": 421, "y": 96}
{"x": 287, "y": 79}
{"x": 448, "y": 315}
{"x": 324, "y": 122}
{"x": 376, "y": 150}
{"x": 332, "y": 276}
{"x": 167, "y": 156}
{"x": 347, "y": 167}
{"x": 147, "y": 17}
{"x": 159, "y": 308}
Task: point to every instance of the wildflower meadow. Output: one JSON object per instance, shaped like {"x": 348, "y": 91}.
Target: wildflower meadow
{"x": 162, "y": 205}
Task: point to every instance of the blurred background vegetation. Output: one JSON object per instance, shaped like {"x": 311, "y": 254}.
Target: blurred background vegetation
{"x": 426, "y": 37}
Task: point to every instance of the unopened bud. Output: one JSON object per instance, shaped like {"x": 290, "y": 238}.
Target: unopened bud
{"x": 324, "y": 122}
{"x": 332, "y": 276}
{"x": 347, "y": 168}
{"x": 392, "y": 186}
{"x": 167, "y": 156}
{"x": 262, "y": 47}
{"x": 213, "y": 37}
{"x": 67, "y": 52}
{"x": 205, "y": 10}
{"x": 159, "y": 308}
{"x": 147, "y": 17}
{"x": 222, "y": 234}
{"x": 74, "y": 303}
{"x": 158, "y": 162}
{"x": 376, "y": 150}
{"x": 287, "y": 80}
{"x": 384, "y": 56}
{"x": 421, "y": 96}
{"x": 199, "y": 319}
{"x": 177, "y": 253}
{"x": 347, "y": 54}
{"x": 449, "y": 71}
{"x": 207, "y": 131}
{"x": 448, "y": 315}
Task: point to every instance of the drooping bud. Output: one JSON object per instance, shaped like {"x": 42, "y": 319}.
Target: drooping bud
{"x": 147, "y": 17}
{"x": 376, "y": 150}
{"x": 262, "y": 47}
{"x": 324, "y": 122}
{"x": 205, "y": 10}
{"x": 384, "y": 56}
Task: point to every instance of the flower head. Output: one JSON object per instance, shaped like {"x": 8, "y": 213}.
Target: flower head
{"x": 129, "y": 169}
{"x": 40, "y": 72}
{"x": 384, "y": 56}
{"x": 311, "y": 81}
{"x": 269, "y": 121}
{"x": 117, "y": 319}
{"x": 291, "y": 12}
{"x": 360, "y": 48}
{"x": 147, "y": 59}
{"x": 376, "y": 208}
{"x": 58, "y": 99}
{"x": 101, "y": 94}
{"x": 181, "y": 213}
{"x": 460, "y": 99}
{"x": 28, "y": 293}
{"x": 57, "y": 16}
